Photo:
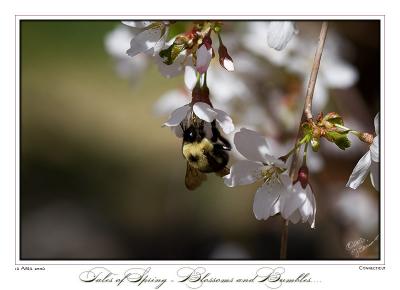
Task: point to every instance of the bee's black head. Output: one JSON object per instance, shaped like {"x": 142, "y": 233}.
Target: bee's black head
{"x": 193, "y": 134}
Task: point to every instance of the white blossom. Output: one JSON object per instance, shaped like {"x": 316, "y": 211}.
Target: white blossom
{"x": 171, "y": 70}
{"x": 228, "y": 64}
{"x": 190, "y": 77}
{"x": 369, "y": 163}
{"x": 150, "y": 39}
{"x": 204, "y": 56}
{"x": 177, "y": 67}
{"x": 280, "y": 33}
{"x": 204, "y": 112}
{"x": 299, "y": 204}
{"x": 138, "y": 24}
{"x": 258, "y": 30}
{"x": 277, "y": 194}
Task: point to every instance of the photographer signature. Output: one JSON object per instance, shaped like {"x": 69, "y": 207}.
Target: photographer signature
{"x": 358, "y": 246}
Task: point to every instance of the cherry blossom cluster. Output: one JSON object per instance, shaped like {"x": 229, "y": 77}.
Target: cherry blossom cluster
{"x": 190, "y": 51}
{"x": 286, "y": 186}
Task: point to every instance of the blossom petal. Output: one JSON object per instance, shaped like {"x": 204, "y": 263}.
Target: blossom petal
{"x": 224, "y": 121}
{"x": 243, "y": 172}
{"x": 204, "y": 111}
{"x": 264, "y": 200}
{"x": 254, "y": 147}
{"x": 295, "y": 217}
{"x": 190, "y": 77}
{"x": 166, "y": 70}
{"x": 285, "y": 180}
{"x": 144, "y": 41}
{"x": 177, "y": 116}
{"x": 374, "y": 149}
{"x": 376, "y": 123}
{"x": 275, "y": 208}
{"x": 374, "y": 175}
{"x": 360, "y": 171}
{"x": 286, "y": 183}
{"x": 137, "y": 24}
{"x": 293, "y": 200}
{"x": 307, "y": 209}
{"x": 280, "y": 33}
{"x": 204, "y": 56}
{"x": 228, "y": 64}
{"x": 178, "y": 131}
{"x": 161, "y": 42}
{"x": 311, "y": 219}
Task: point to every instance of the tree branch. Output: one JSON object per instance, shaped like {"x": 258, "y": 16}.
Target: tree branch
{"x": 307, "y": 111}
{"x": 284, "y": 239}
{"x": 307, "y": 115}
{"x": 314, "y": 72}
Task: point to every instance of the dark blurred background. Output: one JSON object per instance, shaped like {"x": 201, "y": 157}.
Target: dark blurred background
{"x": 100, "y": 178}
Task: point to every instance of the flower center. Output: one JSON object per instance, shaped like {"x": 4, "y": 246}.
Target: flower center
{"x": 271, "y": 173}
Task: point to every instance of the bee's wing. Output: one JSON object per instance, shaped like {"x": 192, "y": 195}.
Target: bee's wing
{"x": 193, "y": 177}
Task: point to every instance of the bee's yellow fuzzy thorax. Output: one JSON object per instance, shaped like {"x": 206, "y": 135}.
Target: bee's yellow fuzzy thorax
{"x": 195, "y": 153}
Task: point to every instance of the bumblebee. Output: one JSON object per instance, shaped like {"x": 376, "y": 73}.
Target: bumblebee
{"x": 205, "y": 150}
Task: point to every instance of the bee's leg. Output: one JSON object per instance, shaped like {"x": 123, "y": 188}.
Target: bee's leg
{"x": 215, "y": 132}
{"x": 224, "y": 171}
{"x": 217, "y": 159}
{"x": 217, "y": 136}
{"x": 227, "y": 145}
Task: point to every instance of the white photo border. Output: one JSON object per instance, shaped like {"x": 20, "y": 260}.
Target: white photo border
{"x": 353, "y": 262}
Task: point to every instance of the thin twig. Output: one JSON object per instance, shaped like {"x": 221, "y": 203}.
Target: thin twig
{"x": 314, "y": 71}
{"x": 307, "y": 115}
{"x": 284, "y": 239}
{"x": 307, "y": 110}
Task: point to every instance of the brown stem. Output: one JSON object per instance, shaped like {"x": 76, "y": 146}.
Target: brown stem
{"x": 284, "y": 238}
{"x": 314, "y": 72}
{"x": 307, "y": 111}
{"x": 307, "y": 115}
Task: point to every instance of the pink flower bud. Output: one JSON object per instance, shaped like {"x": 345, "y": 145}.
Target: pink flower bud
{"x": 225, "y": 59}
{"x": 302, "y": 176}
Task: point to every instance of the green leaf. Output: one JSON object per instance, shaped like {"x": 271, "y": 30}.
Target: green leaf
{"x": 315, "y": 144}
{"x": 333, "y": 118}
{"x": 338, "y": 121}
{"x": 177, "y": 28}
{"x": 165, "y": 54}
{"x": 307, "y": 128}
{"x": 176, "y": 50}
{"x": 171, "y": 53}
{"x": 343, "y": 143}
{"x": 217, "y": 27}
{"x": 339, "y": 138}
